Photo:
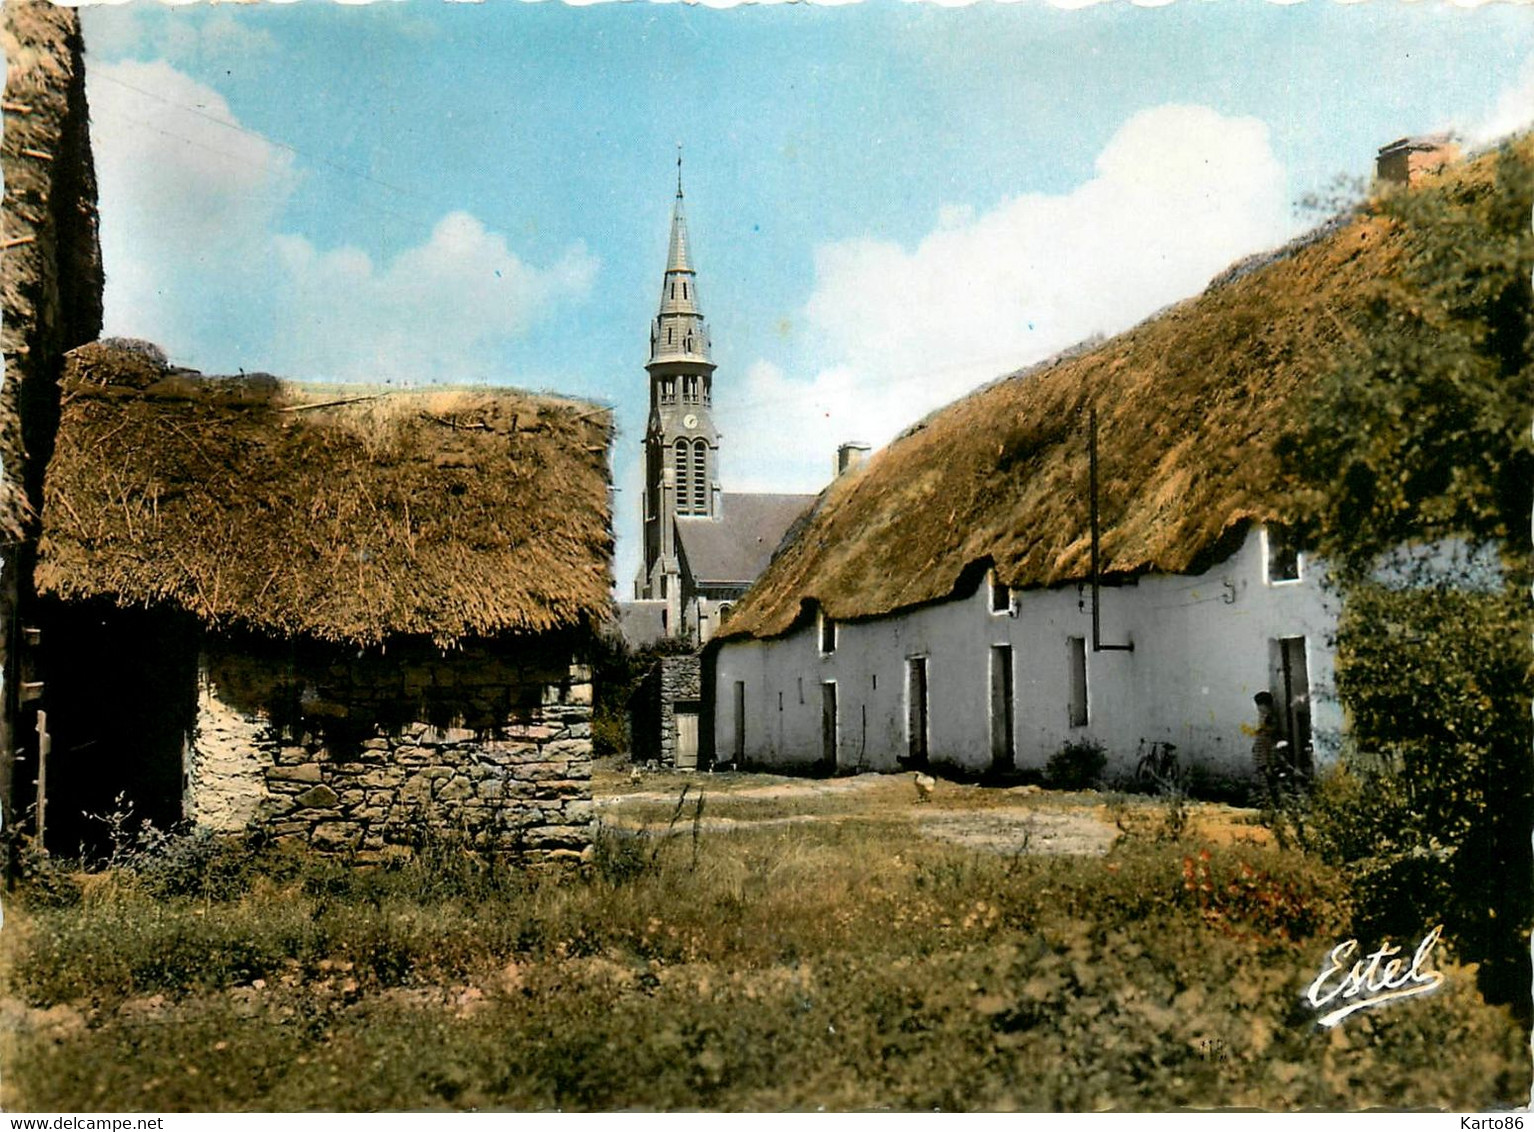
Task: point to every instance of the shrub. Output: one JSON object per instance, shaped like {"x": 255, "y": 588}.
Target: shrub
{"x": 609, "y": 732}
{"x": 1076, "y": 766}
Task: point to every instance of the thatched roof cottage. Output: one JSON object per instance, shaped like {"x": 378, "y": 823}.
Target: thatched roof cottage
{"x": 938, "y": 608}
{"x": 337, "y": 615}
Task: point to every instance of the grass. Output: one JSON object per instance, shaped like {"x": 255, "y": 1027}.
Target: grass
{"x": 847, "y": 963}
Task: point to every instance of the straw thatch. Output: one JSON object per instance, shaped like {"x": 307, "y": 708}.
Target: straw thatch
{"x": 1190, "y": 405}
{"x": 52, "y": 262}
{"x": 341, "y": 514}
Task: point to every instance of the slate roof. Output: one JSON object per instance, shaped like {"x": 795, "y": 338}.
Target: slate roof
{"x": 736, "y": 547}
{"x": 640, "y": 622}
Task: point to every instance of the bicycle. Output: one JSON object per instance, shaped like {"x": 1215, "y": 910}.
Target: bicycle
{"x": 1157, "y": 768}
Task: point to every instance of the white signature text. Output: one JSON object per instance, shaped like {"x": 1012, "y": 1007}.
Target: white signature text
{"x": 1373, "y": 980}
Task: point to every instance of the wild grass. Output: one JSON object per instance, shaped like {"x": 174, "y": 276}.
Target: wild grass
{"x": 844, "y": 964}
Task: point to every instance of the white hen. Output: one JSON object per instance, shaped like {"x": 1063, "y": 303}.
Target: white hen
{"x": 925, "y": 784}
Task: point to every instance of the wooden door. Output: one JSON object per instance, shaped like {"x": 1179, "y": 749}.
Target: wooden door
{"x": 687, "y": 740}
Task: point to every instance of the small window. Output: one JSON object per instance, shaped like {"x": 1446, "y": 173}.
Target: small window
{"x": 1078, "y": 658}
{"x": 724, "y": 611}
{"x": 780, "y": 701}
{"x": 827, "y": 634}
{"x": 1001, "y": 596}
{"x": 801, "y": 691}
{"x": 1283, "y": 556}
{"x": 684, "y": 288}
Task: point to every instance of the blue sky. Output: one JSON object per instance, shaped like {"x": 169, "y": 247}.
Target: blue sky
{"x": 890, "y": 203}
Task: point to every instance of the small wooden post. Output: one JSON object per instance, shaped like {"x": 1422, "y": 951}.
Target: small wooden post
{"x": 44, "y": 744}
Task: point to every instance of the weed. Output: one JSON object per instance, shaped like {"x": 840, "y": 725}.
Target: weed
{"x": 1076, "y": 766}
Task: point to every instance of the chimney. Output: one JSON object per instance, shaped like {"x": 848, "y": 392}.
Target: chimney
{"x": 850, "y": 455}
{"x": 1406, "y": 160}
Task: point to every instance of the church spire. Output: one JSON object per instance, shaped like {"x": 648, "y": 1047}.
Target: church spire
{"x": 681, "y": 444}
{"x": 678, "y": 257}
{"x": 678, "y": 332}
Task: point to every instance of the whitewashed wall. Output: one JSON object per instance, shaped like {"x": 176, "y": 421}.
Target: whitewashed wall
{"x": 1203, "y": 648}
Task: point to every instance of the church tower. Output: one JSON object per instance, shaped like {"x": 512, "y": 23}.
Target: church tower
{"x": 681, "y": 445}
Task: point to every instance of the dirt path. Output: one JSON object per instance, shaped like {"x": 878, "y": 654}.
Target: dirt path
{"x": 1015, "y": 820}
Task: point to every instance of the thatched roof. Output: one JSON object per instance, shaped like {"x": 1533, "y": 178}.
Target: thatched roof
{"x": 50, "y": 287}
{"x": 343, "y": 514}
{"x": 1190, "y": 405}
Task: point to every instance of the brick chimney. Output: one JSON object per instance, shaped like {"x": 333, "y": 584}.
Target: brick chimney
{"x": 1405, "y": 160}
{"x": 850, "y": 455}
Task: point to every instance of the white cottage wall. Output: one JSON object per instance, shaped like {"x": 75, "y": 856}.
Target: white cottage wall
{"x": 1203, "y": 647}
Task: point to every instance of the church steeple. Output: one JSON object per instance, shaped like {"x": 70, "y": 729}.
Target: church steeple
{"x": 679, "y": 332}
{"x": 681, "y": 443}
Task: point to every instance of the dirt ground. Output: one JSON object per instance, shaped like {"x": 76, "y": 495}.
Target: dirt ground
{"x": 1008, "y": 820}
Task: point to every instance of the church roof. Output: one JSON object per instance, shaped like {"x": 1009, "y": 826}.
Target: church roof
{"x": 678, "y": 255}
{"x": 736, "y": 547}
{"x": 641, "y": 623}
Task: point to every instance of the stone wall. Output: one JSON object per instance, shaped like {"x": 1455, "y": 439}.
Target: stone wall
{"x": 324, "y": 754}
{"x": 673, "y": 680}
{"x": 50, "y": 291}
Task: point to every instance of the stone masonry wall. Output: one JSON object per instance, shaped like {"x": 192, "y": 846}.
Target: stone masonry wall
{"x": 673, "y": 679}
{"x": 336, "y": 782}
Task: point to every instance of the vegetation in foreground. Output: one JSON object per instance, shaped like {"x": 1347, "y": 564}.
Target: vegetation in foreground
{"x": 845, "y": 964}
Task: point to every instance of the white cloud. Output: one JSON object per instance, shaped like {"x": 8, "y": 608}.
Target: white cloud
{"x": 188, "y": 198}
{"x": 1513, "y": 111}
{"x": 155, "y": 31}
{"x": 192, "y": 205}
{"x": 1179, "y": 193}
{"x": 436, "y": 310}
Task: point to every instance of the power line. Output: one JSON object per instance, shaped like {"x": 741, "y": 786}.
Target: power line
{"x": 308, "y": 157}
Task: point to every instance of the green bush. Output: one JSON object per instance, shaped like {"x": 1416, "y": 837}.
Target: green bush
{"x": 1076, "y": 766}
{"x": 1431, "y": 812}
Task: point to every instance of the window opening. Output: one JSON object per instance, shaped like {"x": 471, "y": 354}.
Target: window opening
{"x": 700, "y": 477}
{"x": 1001, "y": 596}
{"x": 1078, "y": 705}
{"x": 827, "y": 634}
{"x": 1283, "y": 555}
{"x": 681, "y": 477}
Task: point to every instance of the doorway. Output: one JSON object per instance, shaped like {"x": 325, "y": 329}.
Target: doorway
{"x": 687, "y": 736}
{"x": 828, "y": 724}
{"x": 917, "y": 720}
{"x": 1003, "y": 742}
{"x": 1291, "y": 697}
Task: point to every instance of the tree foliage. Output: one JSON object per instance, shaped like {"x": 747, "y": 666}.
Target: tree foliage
{"x": 1419, "y": 435}
{"x": 1420, "y": 430}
